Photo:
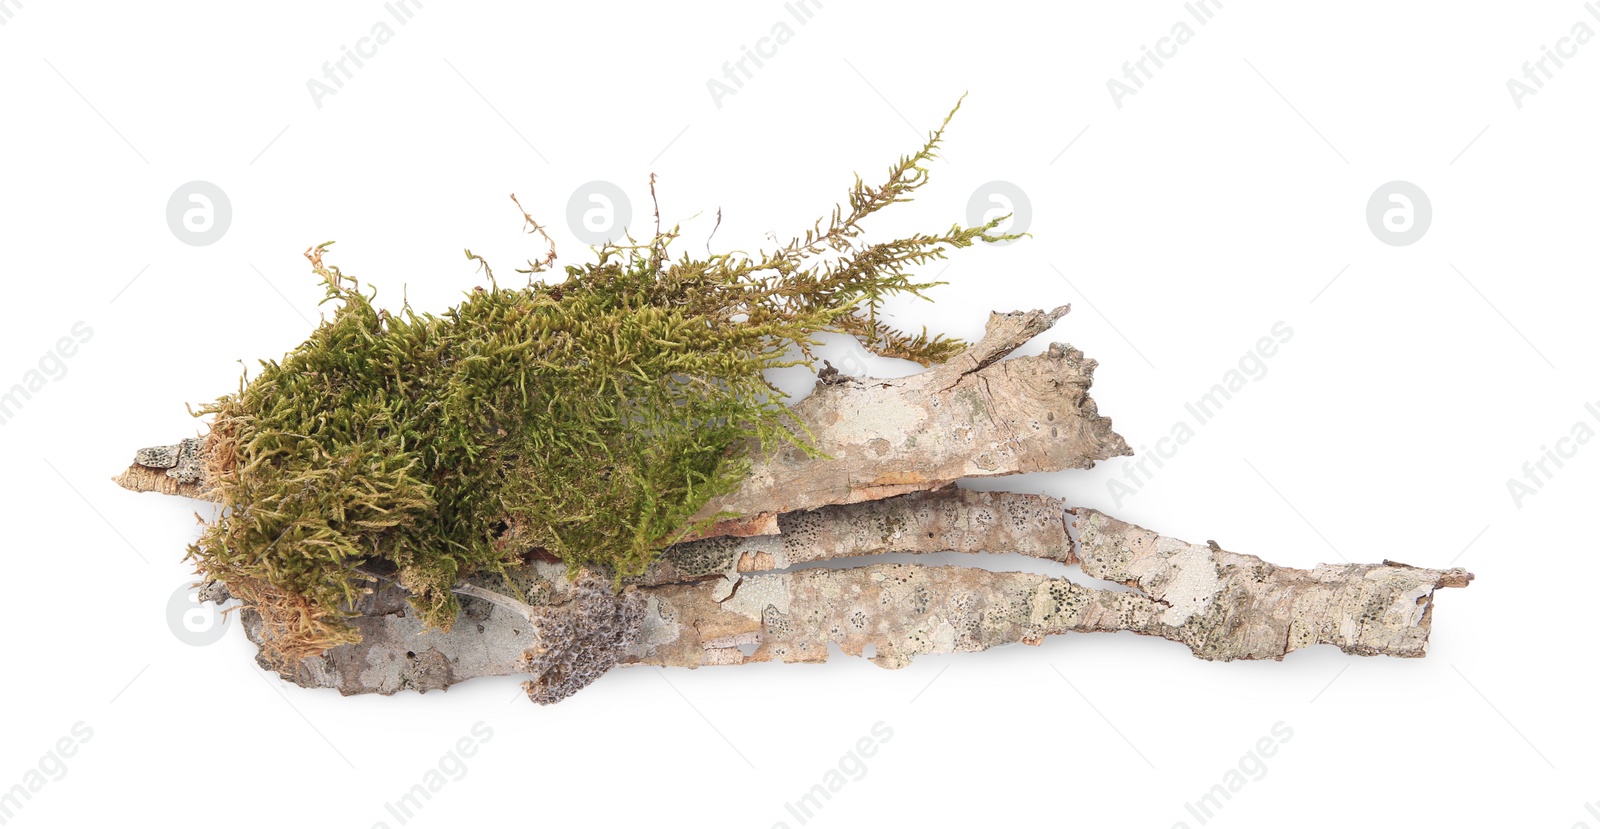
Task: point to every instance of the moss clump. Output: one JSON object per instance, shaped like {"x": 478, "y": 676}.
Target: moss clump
{"x": 592, "y": 418}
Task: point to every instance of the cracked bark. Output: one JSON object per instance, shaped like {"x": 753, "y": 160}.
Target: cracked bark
{"x": 892, "y": 449}
{"x": 708, "y": 604}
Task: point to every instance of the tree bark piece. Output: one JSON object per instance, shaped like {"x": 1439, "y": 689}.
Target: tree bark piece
{"x": 1221, "y": 605}
{"x": 175, "y": 469}
{"x": 946, "y": 520}
{"x": 1228, "y": 606}
{"x": 973, "y": 416}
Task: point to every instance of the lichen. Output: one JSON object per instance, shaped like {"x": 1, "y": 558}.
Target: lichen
{"x": 581, "y": 639}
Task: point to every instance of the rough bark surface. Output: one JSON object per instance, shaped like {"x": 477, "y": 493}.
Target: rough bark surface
{"x": 1221, "y": 605}
{"x": 947, "y": 520}
{"x": 175, "y": 469}
{"x": 973, "y": 416}
{"x": 1226, "y": 605}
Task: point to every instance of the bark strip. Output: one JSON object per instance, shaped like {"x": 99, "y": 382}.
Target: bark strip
{"x": 1221, "y": 605}
{"x": 973, "y": 416}
{"x": 939, "y": 521}
{"x": 1227, "y": 605}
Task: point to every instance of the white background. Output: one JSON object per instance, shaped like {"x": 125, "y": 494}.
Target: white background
{"x": 1222, "y": 198}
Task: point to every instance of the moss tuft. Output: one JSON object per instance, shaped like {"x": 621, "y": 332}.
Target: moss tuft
{"x": 591, "y": 417}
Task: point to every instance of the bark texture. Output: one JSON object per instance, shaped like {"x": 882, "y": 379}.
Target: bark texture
{"x": 175, "y": 469}
{"x": 940, "y": 521}
{"x": 973, "y": 416}
{"x": 1226, "y": 605}
{"x": 717, "y": 604}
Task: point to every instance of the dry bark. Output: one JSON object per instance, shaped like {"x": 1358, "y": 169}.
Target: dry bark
{"x": 918, "y": 522}
{"x": 175, "y": 469}
{"x": 973, "y": 416}
{"x": 1222, "y": 605}
{"x": 704, "y": 606}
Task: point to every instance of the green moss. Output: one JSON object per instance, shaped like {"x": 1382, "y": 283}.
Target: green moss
{"x": 591, "y": 417}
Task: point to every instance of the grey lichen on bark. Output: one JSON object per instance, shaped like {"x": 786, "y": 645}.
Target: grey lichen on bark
{"x": 580, "y": 639}
{"x": 175, "y": 469}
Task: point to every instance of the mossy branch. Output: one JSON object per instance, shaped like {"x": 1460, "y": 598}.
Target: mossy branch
{"x": 591, "y": 418}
